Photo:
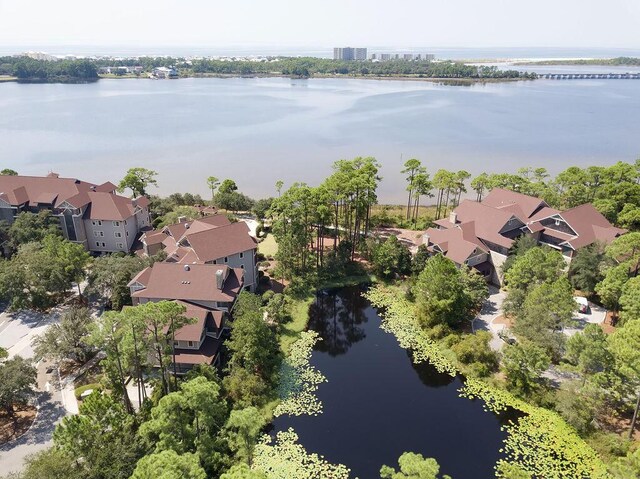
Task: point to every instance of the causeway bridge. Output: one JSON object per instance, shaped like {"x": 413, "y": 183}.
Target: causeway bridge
{"x": 590, "y": 76}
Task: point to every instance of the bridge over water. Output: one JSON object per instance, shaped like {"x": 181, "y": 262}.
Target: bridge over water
{"x": 590, "y": 76}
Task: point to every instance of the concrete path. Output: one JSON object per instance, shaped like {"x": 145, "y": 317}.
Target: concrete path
{"x": 491, "y": 309}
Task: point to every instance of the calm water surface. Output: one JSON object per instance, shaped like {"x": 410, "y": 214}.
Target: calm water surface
{"x": 260, "y": 130}
{"x": 378, "y": 404}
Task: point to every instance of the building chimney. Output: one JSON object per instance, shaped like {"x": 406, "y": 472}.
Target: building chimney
{"x": 425, "y": 239}
{"x": 187, "y": 268}
{"x": 219, "y": 279}
{"x": 182, "y": 219}
{"x": 453, "y": 217}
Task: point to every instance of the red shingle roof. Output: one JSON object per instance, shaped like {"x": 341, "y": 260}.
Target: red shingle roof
{"x": 53, "y": 190}
{"x": 222, "y": 241}
{"x": 196, "y": 282}
{"x": 590, "y": 225}
{"x": 526, "y": 205}
{"x": 205, "y": 355}
{"x": 205, "y": 318}
{"x": 488, "y": 221}
{"x": 458, "y": 243}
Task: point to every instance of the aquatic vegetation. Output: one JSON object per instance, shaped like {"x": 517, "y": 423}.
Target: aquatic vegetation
{"x": 299, "y": 380}
{"x": 540, "y": 442}
{"x": 399, "y": 319}
{"x": 284, "y": 458}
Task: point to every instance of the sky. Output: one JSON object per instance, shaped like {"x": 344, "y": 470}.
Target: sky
{"x": 326, "y": 23}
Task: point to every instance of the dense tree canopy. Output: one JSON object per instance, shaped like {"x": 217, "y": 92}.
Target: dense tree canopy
{"x": 40, "y": 273}
{"x": 109, "y": 276}
{"x": 169, "y": 465}
{"x": 17, "y": 383}
{"x": 29, "y": 227}
{"x": 413, "y": 466}
{"x": 102, "y": 432}
{"x": 446, "y": 294}
{"x": 67, "y": 339}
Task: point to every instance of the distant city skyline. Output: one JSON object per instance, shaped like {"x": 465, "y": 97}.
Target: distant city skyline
{"x": 289, "y": 24}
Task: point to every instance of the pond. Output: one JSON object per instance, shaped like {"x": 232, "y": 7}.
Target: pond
{"x": 378, "y": 404}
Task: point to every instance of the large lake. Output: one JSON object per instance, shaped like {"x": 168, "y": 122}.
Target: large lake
{"x": 378, "y": 404}
{"x": 257, "y": 131}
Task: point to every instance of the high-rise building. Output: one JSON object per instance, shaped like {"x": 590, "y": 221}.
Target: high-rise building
{"x": 403, "y": 56}
{"x": 349, "y": 53}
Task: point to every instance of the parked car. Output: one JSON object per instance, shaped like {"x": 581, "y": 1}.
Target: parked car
{"x": 583, "y": 304}
{"x": 506, "y": 337}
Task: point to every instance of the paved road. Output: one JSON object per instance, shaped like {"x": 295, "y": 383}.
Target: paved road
{"x": 50, "y": 411}
{"x": 17, "y": 330}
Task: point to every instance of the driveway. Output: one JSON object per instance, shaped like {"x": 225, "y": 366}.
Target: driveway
{"x": 596, "y": 315}
{"x": 491, "y": 309}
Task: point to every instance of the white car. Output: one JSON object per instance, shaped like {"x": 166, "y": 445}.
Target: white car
{"x": 583, "y": 304}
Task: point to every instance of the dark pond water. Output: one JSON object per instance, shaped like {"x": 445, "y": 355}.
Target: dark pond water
{"x": 378, "y": 404}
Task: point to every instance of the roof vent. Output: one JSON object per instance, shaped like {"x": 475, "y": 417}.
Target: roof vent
{"x": 187, "y": 268}
{"x": 186, "y": 226}
{"x": 219, "y": 279}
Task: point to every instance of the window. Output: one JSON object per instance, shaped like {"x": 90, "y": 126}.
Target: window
{"x": 96, "y": 234}
{"x": 557, "y": 222}
{"x": 226, "y": 259}
{"x": 116, "y": 223}
{"x": 104, "y": 245}
{"x": 125, "y": 222}
{"x": 119, "y": 245}
{"x": 242, "y": 266}
{"x": 241, "y": 255}
{"x": 215, "y": 261}
{"x": 96, "y": 223}
{"x": 127, "y": 233}
{"x": 98, "y": 244}
{"x": 118, "y": 234}
{"x": 190, "y": 344}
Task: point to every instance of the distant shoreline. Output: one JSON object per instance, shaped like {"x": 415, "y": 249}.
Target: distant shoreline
{"x": 443, "y": 80}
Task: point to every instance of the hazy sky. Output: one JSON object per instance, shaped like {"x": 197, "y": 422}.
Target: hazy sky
{"x": 419, "y": 23}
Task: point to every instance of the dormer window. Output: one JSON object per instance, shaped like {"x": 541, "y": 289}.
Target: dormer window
{"x": 557, "y": 222}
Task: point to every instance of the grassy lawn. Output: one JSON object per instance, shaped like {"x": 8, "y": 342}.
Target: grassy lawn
{"x": 268, "y": 246}
{"x": 401, "y": 210}
{"x": 300, "y": 317}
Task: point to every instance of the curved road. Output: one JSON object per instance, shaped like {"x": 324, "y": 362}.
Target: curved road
{"x": 50, "y": 411}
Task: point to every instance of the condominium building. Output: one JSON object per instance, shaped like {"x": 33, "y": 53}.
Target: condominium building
{"x": 349, "y": 53}
{"x": 91, "y": 215}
